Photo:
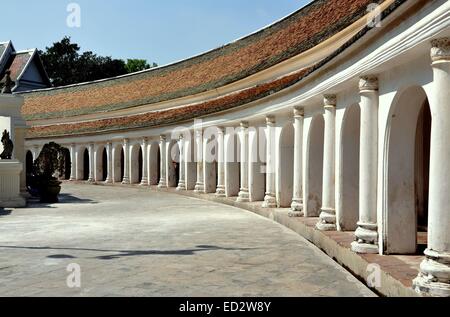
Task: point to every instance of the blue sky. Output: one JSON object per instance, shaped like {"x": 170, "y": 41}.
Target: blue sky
{"x": 160, "y": 31}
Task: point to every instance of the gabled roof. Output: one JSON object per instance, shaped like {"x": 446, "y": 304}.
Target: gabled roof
{"x": 18, "y": 63}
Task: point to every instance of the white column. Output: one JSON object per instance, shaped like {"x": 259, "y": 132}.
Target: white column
{"x": 182, "y": 180}
{"x": 434, "y": 276}
{"x": 297, "y": 200}
{"x": 367, "y": 232}
{"x": 327, "y": 221}
{"x": 109, "y": 174}
{"x": 244, "y": 193}
{"x": 126, "y": 162}
{"x": 200, "y": 185}
{"x": 270, "y": 198}
{"x": 144, "y": 146}
{"x": 220, "y": 192}
{"x": 163, "y": 171}
{"x": 91, "y": 163}
{"x": 73, "y": 161}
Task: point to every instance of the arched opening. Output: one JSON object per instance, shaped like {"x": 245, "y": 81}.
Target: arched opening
{"x": 154, "y": 162}
{"x": 101, "y": 163}
{"x": 173, "y": 168}
{"x": 86, "y": 165}
{"x": 136, "y": 163}
{"x": 191, "y": 165}
{"x": 122, "y": 164}
{"x": 348, "y": 206}
{"x": 67, "y": 164}
{"x": 104, "y": 164}
{"x": 314, "y": 167}
{"x": 232, "y": 164}
{"x": 408, "y": 159}
{"x": 257, "y": 167}
{"x": 286, "y": 166}
{"x": 210, "y": 164}
{"x": 118, "y": 163}
{"x": 29, "y": 162}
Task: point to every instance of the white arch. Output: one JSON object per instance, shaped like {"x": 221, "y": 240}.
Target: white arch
{"x": 257, "y": 164}
{"x": 285, "y": 168}
{"x": 347, "y": 208}
{"x": 232, "y": 163}
{"x": 117, "y": 164}
{"x": 154, "y": 161}
{"x": 399, "y": 197}
{"x": 313, "y": 165}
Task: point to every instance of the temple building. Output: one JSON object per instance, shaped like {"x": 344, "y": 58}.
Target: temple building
{"x": 26, "y": 68}
{"x": 339, "y": 112}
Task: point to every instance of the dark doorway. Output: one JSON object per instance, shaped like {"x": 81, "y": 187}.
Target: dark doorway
{"x": 86, "y": 164}
{"x": 104, "y": 165}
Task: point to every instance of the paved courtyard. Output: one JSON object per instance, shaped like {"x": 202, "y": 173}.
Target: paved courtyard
{"x": 137, "y": 242}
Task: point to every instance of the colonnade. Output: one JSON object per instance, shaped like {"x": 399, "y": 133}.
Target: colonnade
{"x": 165, "y": 159}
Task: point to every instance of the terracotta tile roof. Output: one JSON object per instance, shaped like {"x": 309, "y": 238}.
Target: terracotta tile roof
{"x": 43, "y": 101}
{"x": 299, "y": 32}
{"x": 165, "y": 117}
{"x": 20, "y": 61}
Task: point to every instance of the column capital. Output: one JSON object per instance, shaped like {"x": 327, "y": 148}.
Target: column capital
{"x": 109, "y": 143}
{"x": 270, "y": 120}
{"x": 299, "y": 112}
{"x": 221, "y": 130}
{"x": 368, "y": 83}
{"x": 440, "y": 49}
{"x": 126, "y": 141}
{"x": 181, "y": 137}
{"x": 244, "y": 124}
{"x": 162, "y": 138}
{"x": 329, "y": 101}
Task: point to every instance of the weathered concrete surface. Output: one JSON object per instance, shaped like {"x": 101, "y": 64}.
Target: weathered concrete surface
{"x": 138, "y": 242}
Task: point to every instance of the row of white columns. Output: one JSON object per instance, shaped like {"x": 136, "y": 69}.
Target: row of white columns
{"x": 435, "y": 271}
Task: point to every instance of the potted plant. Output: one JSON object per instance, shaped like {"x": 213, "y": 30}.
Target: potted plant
{"x": 43, "y": 181}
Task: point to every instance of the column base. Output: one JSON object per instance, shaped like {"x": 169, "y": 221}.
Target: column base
{"x": 91, "y": 181}
{"x": 244, "y": 196}
{"x": 144, "y": 182}
{"x": 434, "y": 277}
{"x": 220, "y": 192}
{"x": 297, "y": 205}
{"x": 181, "y": 187}
{"x": 199, "y": 188}
{"x": 327, "y": 221}
{"x": 108, "y": 181}
{"x": 296, "y": 214}
{"x": 269, "y": 201}
{"x": 364, "y": 248}
{"x": 366, "y": 238}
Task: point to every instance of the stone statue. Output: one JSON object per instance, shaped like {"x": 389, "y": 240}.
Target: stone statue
{"x": 9, "y": 84}
{"x": 8, "y": 146}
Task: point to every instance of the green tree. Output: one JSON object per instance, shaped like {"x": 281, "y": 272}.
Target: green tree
{"x": 65, "y": 65}
{"x": 136, "y": 65}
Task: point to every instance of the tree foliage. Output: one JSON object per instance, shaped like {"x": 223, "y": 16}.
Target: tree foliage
{"x": 136, "y": 65}
{"x": 65, "y": 64}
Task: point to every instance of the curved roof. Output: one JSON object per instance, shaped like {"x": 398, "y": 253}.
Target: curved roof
{"x": 291, "y": 36}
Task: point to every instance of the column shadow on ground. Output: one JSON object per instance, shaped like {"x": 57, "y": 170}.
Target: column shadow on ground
{"x": 63, "y": 199}
{"x": 130, "y": 253}
{"x": 4, "y": 212}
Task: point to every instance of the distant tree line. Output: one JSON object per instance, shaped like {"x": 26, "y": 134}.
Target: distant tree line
{"x": 65, "y": 65}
